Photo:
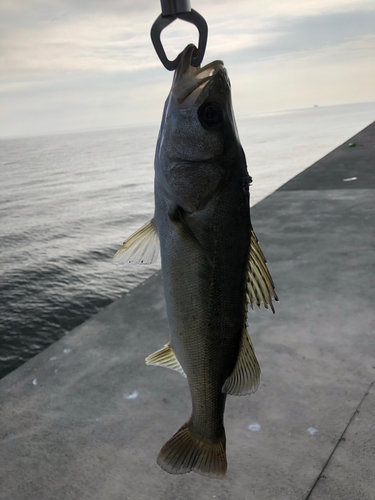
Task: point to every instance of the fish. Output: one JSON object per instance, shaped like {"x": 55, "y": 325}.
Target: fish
{"x": 212, "y": 265}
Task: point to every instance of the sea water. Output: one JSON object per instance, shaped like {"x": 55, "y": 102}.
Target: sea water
{"x": 68, "y": 201}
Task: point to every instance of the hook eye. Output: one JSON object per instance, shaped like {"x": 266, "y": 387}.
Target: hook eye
{"x": 162, "y": 22}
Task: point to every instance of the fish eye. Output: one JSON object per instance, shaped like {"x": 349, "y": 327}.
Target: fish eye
{"x": 210, "y": 115}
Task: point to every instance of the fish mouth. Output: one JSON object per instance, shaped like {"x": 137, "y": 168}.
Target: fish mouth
{"x": 189, "y": 81}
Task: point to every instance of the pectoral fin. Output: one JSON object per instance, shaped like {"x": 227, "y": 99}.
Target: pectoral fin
{"x": 245, "y": 376}
{"x": 165, "y": 357}
{"x": 141, "y": 247}
{"x": 177, "y": 218}
{"x": 260, "y": 286}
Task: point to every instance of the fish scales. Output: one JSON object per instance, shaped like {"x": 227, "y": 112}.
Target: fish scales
{"x": 206, "y": 302}
{"x": 211, "y": 262}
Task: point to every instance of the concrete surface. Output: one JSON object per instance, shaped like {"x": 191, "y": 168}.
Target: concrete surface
{"x": 86, "y": 418}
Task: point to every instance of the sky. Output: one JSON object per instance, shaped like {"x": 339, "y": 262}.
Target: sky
{"x": 68, "y": 65}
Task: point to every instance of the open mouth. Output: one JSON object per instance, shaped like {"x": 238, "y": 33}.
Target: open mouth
{"x": 189, "y": 81}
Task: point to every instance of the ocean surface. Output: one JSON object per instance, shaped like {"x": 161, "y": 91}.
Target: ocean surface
{"x": 68, "y": 201}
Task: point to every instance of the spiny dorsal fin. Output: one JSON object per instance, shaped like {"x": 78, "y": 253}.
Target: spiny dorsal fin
{"x": 245, "y": 376}
{"x": 260, "y": 286}
{"x": 141, "y": 247}
{"x": 165, "y": 357}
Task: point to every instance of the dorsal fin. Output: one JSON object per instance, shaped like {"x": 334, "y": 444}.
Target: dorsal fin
{"x": 142, "y": 247}
{"x": 165, "y": 357}
{"x": 260, "y": 286}
{"x": 245, "y": 377}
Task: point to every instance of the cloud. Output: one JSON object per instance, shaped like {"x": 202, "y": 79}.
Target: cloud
{"x": 83, "y": 45}
{"x": 243, "y": 10}
{"x": 62, "y": 9}
{"x": 82, "y": 36}
{"x": 321, "y": 77}
{"x": 59, "y": 56}
{"x": 307, "y": 34}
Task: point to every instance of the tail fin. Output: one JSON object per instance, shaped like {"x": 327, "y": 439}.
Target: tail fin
{"x": 186, "y": 452}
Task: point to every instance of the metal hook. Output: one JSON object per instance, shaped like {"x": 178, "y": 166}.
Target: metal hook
{"x": 171, "y": 10}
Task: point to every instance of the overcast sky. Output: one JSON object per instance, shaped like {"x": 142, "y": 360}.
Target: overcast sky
{"x": 68, "y": 65}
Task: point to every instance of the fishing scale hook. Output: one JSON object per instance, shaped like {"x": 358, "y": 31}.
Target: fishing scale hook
{"x": 171, "y": 10}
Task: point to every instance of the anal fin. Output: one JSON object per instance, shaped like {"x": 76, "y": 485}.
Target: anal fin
{"x": 245, "y": 376}
{"x": 167, "y": 358}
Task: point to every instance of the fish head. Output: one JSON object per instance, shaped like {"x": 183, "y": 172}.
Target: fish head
{"x": 198, "y": 137}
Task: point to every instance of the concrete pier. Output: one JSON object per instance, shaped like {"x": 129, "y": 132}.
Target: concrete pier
{"x": 85, "y": 419}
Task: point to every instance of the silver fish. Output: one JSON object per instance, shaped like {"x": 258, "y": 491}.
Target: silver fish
{"x": 212, "y": 265}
